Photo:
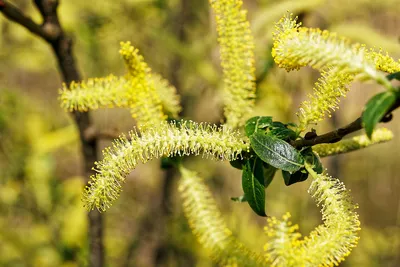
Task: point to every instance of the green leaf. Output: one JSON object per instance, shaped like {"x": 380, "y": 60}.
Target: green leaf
{"x": 238, "y": 164}
{"x": 253, "y": 185}
{"x": 240, "y": 199}
{"x": 313, "y": 159}
{"x": 296, "y": 177}
{"x": 276, "y": 152}
{"x": 269, "y": 173}
{"x": 394, "y": 76}
{"x": 170, "y": 162}
{"x": 376, "y": 109}
{"x": 256, "y": 123}
{"x": 283, "y": 133}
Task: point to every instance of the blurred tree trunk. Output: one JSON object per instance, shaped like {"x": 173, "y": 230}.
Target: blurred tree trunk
{"x": 52, "y": 32}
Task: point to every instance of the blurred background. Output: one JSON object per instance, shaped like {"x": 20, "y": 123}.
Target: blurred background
{"x": 42, "y": 221}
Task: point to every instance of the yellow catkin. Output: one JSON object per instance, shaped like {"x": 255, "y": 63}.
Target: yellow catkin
{"x": 163, "y": 140}
{"x": 354, "y": 143}
{"x": 147, "y": 109}
{"x": 330, "y": 242}
{"x": 326, "y": 97}
{"x": 237, "y": 60}
{"x": 296, "y": 46}
{"x": 107, "y": 92}
{"x": 209, "y": 227}
{"x": 115, "y": 92}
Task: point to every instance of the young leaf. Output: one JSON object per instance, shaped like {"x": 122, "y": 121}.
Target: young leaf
{"x": 269, "y": 173}
{"x": 240, "y": 199}
{"x": 253, "y": 185}
{"x": 238, "y": 163}
{"x": 255, "y": 123}
{"x": 296, "y": 177}
{"x": 283, "y": 133}
{"x": 276, "y": 152}
{"x": 376, "y": 109}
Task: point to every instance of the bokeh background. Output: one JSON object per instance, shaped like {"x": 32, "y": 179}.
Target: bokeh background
{"x": 42, "y": 221}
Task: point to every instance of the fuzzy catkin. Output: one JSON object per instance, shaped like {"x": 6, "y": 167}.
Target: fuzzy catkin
{"x": 362, "y": 141}
{"x": 326, "y": 245}
{"x": 164, "y": 140}
{"x": 237, "y": 60}
{"x": 208, "y": 226}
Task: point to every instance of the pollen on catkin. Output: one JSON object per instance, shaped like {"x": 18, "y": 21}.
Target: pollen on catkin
{"x": 163, "y": 140}
{"x": 237, "y": 60}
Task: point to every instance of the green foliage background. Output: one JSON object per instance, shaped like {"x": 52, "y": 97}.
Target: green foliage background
{"x": 42, "y": 219}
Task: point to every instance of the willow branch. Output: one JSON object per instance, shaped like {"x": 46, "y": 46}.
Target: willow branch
{"x": 14, "y": 14}
{"x": 338, "y": 134}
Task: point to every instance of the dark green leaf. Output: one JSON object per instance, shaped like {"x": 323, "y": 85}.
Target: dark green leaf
{"x": 238, "y": 164}
{"x": 253, "y": 185}
{"x": 240, "y": 199}
{"x": 283, "y": 133}
{"x": 394, "y": 76}
{"x": 170, "y": 162}
{"x": 276, "y": 152}
{"x": 269, "y": 173}
{"x": 313, "y": 159}
{"x": 376, "y": 109}
{"x": 296, "y": 177}
{"x": 255, "y": 123}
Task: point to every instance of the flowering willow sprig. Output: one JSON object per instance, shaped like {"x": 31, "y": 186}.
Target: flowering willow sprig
{"x": 139, "y": 90}
{"x": 237, "y": 60}
{"x": 296, "y": 46}
{"x": 164, "y": 140}
{"x": 330, "y": 242}
{"x": 378, "y": 136}
{"x": 209, "y": 227}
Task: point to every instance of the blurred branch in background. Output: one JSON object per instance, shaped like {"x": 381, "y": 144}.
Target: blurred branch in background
{"x": 52, "y": 32}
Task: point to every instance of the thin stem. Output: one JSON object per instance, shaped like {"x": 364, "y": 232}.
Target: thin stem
{"x": 338, "y": 134}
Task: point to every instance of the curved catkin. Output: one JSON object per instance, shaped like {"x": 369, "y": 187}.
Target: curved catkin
{"x": 237, "y": 60}
{"x": 296, "y": 47}
{"x": 164, "y": 140}
{"x": 329, "y": 243}
{"x": 209, "y": 227}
